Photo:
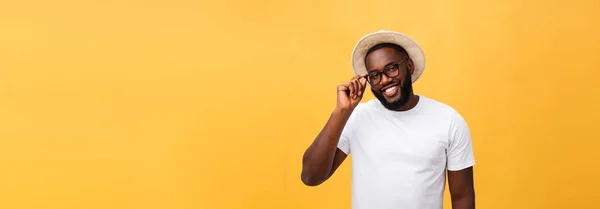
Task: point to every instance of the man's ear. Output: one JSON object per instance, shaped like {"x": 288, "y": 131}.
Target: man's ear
{"x": 410, "y": 65}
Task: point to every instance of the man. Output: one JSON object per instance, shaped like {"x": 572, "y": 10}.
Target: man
{"x": 402, "y": 143}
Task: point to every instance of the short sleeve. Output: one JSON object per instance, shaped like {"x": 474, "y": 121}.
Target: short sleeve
{"x": 344, "y": 142}
{"x": 460, "y": 148}
{"x": 347, "y": 133}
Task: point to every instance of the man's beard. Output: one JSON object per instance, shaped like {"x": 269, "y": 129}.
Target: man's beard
{"x": 405, "y": 90}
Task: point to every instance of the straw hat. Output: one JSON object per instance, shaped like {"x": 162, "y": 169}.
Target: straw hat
{"x": 365, "y": 43}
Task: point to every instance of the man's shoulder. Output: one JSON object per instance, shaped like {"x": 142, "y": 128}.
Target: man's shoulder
{"x": 445, "y": 111}
{"x": 437, "y": 106}
{"x": 364, "y": 109}
{"x": 367, "y": 106}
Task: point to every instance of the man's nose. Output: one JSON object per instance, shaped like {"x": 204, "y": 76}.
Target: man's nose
{"x": 385, "y": 79}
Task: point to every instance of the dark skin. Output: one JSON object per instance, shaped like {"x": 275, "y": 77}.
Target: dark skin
{"x": 323, "y": 158}
{"x": 462, "y": 191}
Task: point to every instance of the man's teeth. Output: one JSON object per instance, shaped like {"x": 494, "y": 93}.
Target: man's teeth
{"x": 390, "y": 89}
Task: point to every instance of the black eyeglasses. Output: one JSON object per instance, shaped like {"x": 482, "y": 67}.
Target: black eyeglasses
{"x": 390, "y": 71}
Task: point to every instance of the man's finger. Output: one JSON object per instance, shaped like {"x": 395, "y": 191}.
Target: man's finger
{"x": 357, "y": 77}
{"x": 363, "y": 82}
{"x": 352, "y": 89}
{"x": 358, "y": 88}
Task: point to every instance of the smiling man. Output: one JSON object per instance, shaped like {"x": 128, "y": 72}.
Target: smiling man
{"x": 402, "y": 144}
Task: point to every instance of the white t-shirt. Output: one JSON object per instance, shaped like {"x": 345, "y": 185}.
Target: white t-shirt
{"x": 399, "y": 159}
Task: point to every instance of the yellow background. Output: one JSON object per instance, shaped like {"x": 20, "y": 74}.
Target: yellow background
{"x": 210, "y": 104}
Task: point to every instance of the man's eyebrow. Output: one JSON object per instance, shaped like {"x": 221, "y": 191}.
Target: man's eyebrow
{"x": 390, "y": 64}
{"x": 377, "y": 70}
{"x": 387, "y": 65}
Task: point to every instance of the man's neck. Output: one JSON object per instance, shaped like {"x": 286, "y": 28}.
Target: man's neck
{"x": 412, "y": 102}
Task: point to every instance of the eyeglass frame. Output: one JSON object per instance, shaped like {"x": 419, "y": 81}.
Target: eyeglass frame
{"x": 385, "y": 71}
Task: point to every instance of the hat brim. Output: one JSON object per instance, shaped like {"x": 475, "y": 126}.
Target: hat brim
{"x": 415, "y": 53}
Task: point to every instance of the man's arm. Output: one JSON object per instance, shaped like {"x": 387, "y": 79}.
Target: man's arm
{"x": 462, "y": 191}
{"x": 460, "y": 164}
{"x": 323, "y": 157}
